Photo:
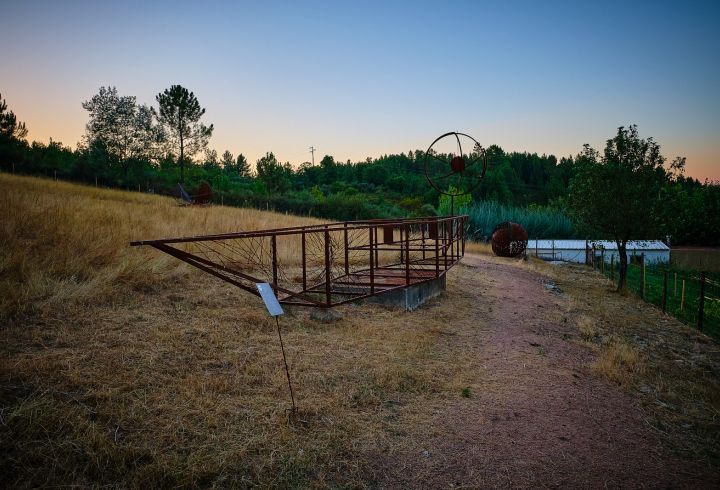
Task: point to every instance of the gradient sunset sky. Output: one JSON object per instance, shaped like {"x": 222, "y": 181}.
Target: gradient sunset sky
{"x": 364, "y": 78}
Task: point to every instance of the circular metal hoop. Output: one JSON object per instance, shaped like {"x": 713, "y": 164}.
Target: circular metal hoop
{"x": 457, "y": 167}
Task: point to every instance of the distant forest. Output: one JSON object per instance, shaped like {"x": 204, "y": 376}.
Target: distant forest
{"x": 136, "y": 147}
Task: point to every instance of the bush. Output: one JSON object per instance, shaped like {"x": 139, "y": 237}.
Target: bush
{"x": 540, "y": 222}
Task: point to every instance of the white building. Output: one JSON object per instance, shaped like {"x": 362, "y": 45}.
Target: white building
{"x": 574, "y": 250}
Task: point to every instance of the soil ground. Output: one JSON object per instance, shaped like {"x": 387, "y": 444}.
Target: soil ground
{"x": 539, "y": 416}
{"x": 521, "y": 375}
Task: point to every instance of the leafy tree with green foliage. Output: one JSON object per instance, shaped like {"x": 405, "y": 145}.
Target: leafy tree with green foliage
{"x": 126, "y": 131}
{"x": 210, "y": 162}
{"x": 227, "y": 160}
{"x": 271, "y": 173}
{"x": 10, "y": 128}
{"x": 457, "y": 200}
{"x": 618, "y": 194}
{"x": 242, "y": 167}
{"x": 329, "y": 169}
{"x": 180, "y": 113}
{"x": 12, "y": 136}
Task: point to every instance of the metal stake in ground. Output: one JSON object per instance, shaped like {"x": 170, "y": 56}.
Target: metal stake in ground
{"x": 287, "y": 371}
{"x": 273, "y": 307}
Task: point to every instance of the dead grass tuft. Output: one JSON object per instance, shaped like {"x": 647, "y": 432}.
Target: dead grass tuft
{"x": 587, "y": 328}
{"x": 618, "y": 362}
{"x": 480, "y": 248}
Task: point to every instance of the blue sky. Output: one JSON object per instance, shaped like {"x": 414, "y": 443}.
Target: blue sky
{"x": 358, "y": 79}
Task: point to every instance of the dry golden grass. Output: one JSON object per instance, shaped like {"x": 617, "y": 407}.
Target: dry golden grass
{"x": 480, "y": 248}
{"x": 63, "y": 245}
{"x": 586, "y": 326}
{"x": 618, "y": 362}
{"x": 121, "y": 367}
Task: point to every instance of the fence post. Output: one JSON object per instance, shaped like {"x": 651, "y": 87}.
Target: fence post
{"x": 664, "y": 292}
{"x": 407, "y": 255}
{"x": 372, "y": 261}
{"x": 304, "y": 263}
{"x": 675, "y": 286}
{"x": 437, "y": 250}
{"x": 602, "y": 261}
{"x": 345, "y": 236}
{"x": 701, "y": 304}
{"x": 273, "y": 243}
{"x": 612, "y": 267}
{"x": 682, "y": 296}
{"x": 328, "y": 297}
{"x": 642, "y": 275}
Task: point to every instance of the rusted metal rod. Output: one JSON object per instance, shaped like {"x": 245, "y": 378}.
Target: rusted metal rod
{"x": 407, "y": 255}
{"x": 246, "y": 258}
{"x": 328, "y": 297}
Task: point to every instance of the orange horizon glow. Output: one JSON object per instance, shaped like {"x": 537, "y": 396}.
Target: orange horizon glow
{"x": 702, "y": 162}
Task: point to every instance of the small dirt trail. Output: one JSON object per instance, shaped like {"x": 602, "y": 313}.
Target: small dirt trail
{"x": 537, "y": 416}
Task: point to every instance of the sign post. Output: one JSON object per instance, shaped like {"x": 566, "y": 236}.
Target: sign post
{"x": 275, "y": 310}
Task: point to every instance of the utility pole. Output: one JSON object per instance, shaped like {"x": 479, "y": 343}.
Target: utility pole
{"x": 312, "y": 152}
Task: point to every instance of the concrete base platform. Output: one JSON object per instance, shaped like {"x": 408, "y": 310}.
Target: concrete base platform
{"x": 411, "y": 297}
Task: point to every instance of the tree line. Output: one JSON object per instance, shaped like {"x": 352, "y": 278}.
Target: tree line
{"x": 139, "y": 147}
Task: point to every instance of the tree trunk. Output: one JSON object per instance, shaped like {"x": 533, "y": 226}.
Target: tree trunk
{"x": 182, "y": 149}
{"x": 182, "y": 160}
{"x": 622, "y": 255}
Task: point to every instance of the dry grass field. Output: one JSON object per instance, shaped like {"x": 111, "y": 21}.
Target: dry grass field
{"x": 65, "y": 245}
{"x": 120, "y": 367}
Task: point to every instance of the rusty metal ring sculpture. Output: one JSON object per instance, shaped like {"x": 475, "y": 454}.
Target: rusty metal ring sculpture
{"x": 458, "y": 167}
{"x": 509, "y": 239}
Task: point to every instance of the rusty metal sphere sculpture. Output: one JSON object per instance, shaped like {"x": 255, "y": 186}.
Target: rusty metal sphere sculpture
{"x": 455, "y": 173}
{"x": 509, "y": 239}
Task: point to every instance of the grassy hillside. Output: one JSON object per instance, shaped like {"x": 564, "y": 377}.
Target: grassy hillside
{"x": 120, "y": 367}
{"x": 64, "y": 245}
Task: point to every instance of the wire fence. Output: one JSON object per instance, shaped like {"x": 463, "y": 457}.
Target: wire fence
{"x": 691, "y": 296}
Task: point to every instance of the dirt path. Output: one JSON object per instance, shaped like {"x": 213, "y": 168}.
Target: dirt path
{"x": 537, "y": 416}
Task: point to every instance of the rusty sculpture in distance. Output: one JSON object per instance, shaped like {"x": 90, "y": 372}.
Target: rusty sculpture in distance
{"x": 327, "y": 265}
{"x": 509, "y": 239}
{"x": 461, "y": 173}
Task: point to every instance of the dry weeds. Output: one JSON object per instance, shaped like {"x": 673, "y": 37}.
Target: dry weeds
{"x": 65, "y": 246}
{"x": 122, "y": 368}
{"x": 618, "y": 362}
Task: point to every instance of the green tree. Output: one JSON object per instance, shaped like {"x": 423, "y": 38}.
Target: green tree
{"x": 210, "y": 162}
{"x": 329, "y": 169}
{"x": 242, "y": 167}
{"x": 126, "y": 131}
{"x": 271, "y": 173}
{"x": 227, "y": 160}
{"x": 619, "y": 195}
{"x": 453, "y": 202}
{"x": 180, "y": 113}
{"x": 10, "y": 128}
{"x": 12, "y": 136}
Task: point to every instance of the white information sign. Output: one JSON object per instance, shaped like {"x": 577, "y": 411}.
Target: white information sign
{"x": 268, "y": 296}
